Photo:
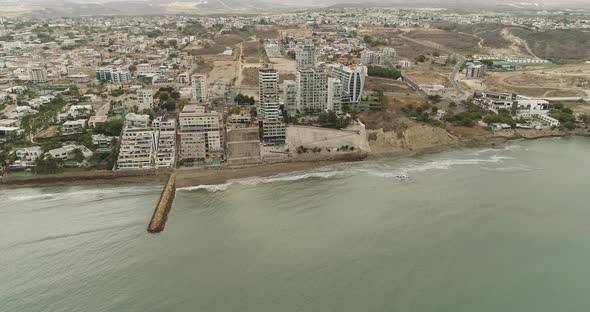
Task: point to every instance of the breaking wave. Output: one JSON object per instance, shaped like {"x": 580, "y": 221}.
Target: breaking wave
{"x": 377, "y": 169}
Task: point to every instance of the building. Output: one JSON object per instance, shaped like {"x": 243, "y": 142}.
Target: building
{"x": 164, "y": 141}
{"x": 199, "y": 84}
{"x": 372, "y": 58}
{"x": 145, "y": 99}
{"x": 311, "y": 90}
{"x": 201, "y": 134}
{"x": 113, "y": 75}
{"x": 28, "y": 155}
{"x": 335, "y": 91}
{"x": 133, "y": 120}
{"x": 389, "y": 52}
{"x": 136, "y": 149}
{"x": 273, "y": 128}
{"x": 73, "y": 127}
{"x": 290, "y": 97}
{"x": 68, "y": 152}
{"x": 37, "y": 75}
{"x": 305, "y": 55}
{"x": 475, "y": 70}
{"x": 353, "y": 82}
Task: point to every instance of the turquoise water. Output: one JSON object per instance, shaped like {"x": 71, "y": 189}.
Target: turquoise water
{"x": 504, "y": 229}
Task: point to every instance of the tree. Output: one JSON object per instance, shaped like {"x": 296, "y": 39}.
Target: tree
{"x": 133, "y": 68}
{"x": 175, "y": 95}
{"x": 47, "y": 165}
{"x": 78, "y": 155}
{"x": 163, "y": 96}
{"x": 420, "y": 58}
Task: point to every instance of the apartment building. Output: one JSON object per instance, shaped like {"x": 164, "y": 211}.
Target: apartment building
{"x": 136, "y": 149}
{"x": 164, "y": 141}
{"x": 113, "y": 75}
{"x": 311, "y": 90}
{"x": 145, "y": 99}
{"x": 201, "y": 134}
{"x": 199, "y": 84}
{"x": 475, "y": 70}
{"x": 335, "y": 92}
{"x": 352, "y": 79}
{"x": 37, "y": 75}
{"x": 273, "y": 128}
{"x": 305, "y": 55}
{"x": 290, "y": 97}
{"x": 372, "y": 58}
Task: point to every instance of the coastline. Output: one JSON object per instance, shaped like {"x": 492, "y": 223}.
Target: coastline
{"x": 187, "y": 177}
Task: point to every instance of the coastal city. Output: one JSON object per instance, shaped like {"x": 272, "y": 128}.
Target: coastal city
{"x": 162, "y": 92}
{"x": 294, "y": 156}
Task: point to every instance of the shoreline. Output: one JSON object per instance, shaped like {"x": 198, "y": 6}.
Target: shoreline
{"x": 190, "y": 177}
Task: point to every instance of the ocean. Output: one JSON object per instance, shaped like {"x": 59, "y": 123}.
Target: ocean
{"x": 494, "y": 229}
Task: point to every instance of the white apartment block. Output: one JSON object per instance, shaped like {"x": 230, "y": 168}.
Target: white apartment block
{"x": 475, "y": 71}
{"x": 164, "y": 141}
{"x": 29, "y": 154}
{"x": 335, "y": 91}
{"x": 352, "y": 79}
{"x": 305, "y": 55}
{"x": 136, "y": 149}
{"x": 273, "y": 129}
{"x": 37, "y": 75}
{"x": 133, "y": 120}
{"x": 372, "y": 58}
{"x": 200, "y": 134}
{"x": 311, "y": 90}
{"x": 290, "y": 97}
{"x": 199, "y": 84}
{"x": 389, "y": 52}
{"x": 113, "y": 75}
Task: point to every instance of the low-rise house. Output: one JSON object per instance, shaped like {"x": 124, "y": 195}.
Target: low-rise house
{"x": 133, "y": 120}
{"x": 102, "y": 141}
{"x": 73, "y": 126}
{"x": 28, "y": 155}
{"x": 67, "y": 152}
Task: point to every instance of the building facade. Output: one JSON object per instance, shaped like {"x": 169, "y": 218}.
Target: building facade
{"x": 199, "y": 84}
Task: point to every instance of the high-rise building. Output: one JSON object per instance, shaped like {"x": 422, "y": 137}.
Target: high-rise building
{"x": 273, "y": 128}
{"x": 475, "y": 70}
{"x": 37, "y": 75}
{"x": 201, "y": 134}
{"x": 199, "y": 82}
{"x": 305, "y": 56}
{"x": 290, "y": 97}
{"x": 136, "y": 147}
{"x": 164, "y": 141}
{"x": 352, "y": 79}
{"x": 311, "y": 90}
{"x": 335, "y": 93}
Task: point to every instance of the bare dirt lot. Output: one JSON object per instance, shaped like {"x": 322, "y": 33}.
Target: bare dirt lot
{"x": 429, "y": 74}
{"x": 456, "y": 42}
{"x": 387, "y": 85}
{"x": 550, "y": 81}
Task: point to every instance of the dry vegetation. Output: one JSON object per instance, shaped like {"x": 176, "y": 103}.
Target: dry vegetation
{"x": 387, "y": 85}
{"x": 460, "y": 43}
{"x": 429, "y": 74}
{"x": 557, "y": 45}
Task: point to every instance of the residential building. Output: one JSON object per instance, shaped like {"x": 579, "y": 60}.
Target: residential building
{"x": 335, "y": 92}
{"x": 38, "y": 75}
{"x": 475, "y": 70}
{"x": 305, "y": 55}
{"x": 311, "y": 90}
{"x": 73, "y": 126}
{"x": 353, "y": 81}
{"x": 199, "y": 82}
{"x": 136, "y": 150}
{"x": 273, "y": 128}
{"x": 145, "y": 99}
{"x": 29, "y": 155}
{"x": 372, "y": 58}
{"x": 133, "y": 120}
{"x": 68, "y": 152}
{"x": 290, "y": 97}
{"x": 112, "y": 75}
{"x": 389, "y": 52}
{"x": 201, "y": 134}
{"x": 165, "y": 141}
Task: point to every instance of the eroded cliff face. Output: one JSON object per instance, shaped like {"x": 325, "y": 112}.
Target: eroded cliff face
{"x": 412, "y": 138}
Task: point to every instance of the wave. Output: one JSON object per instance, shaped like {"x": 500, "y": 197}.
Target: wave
{"x": 290, "y": 177}
{"x": 82, "y": 193}
{"x": 377, "y": 169}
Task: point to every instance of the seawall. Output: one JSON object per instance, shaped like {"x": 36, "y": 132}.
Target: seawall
{"x": 160, "y": 216}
